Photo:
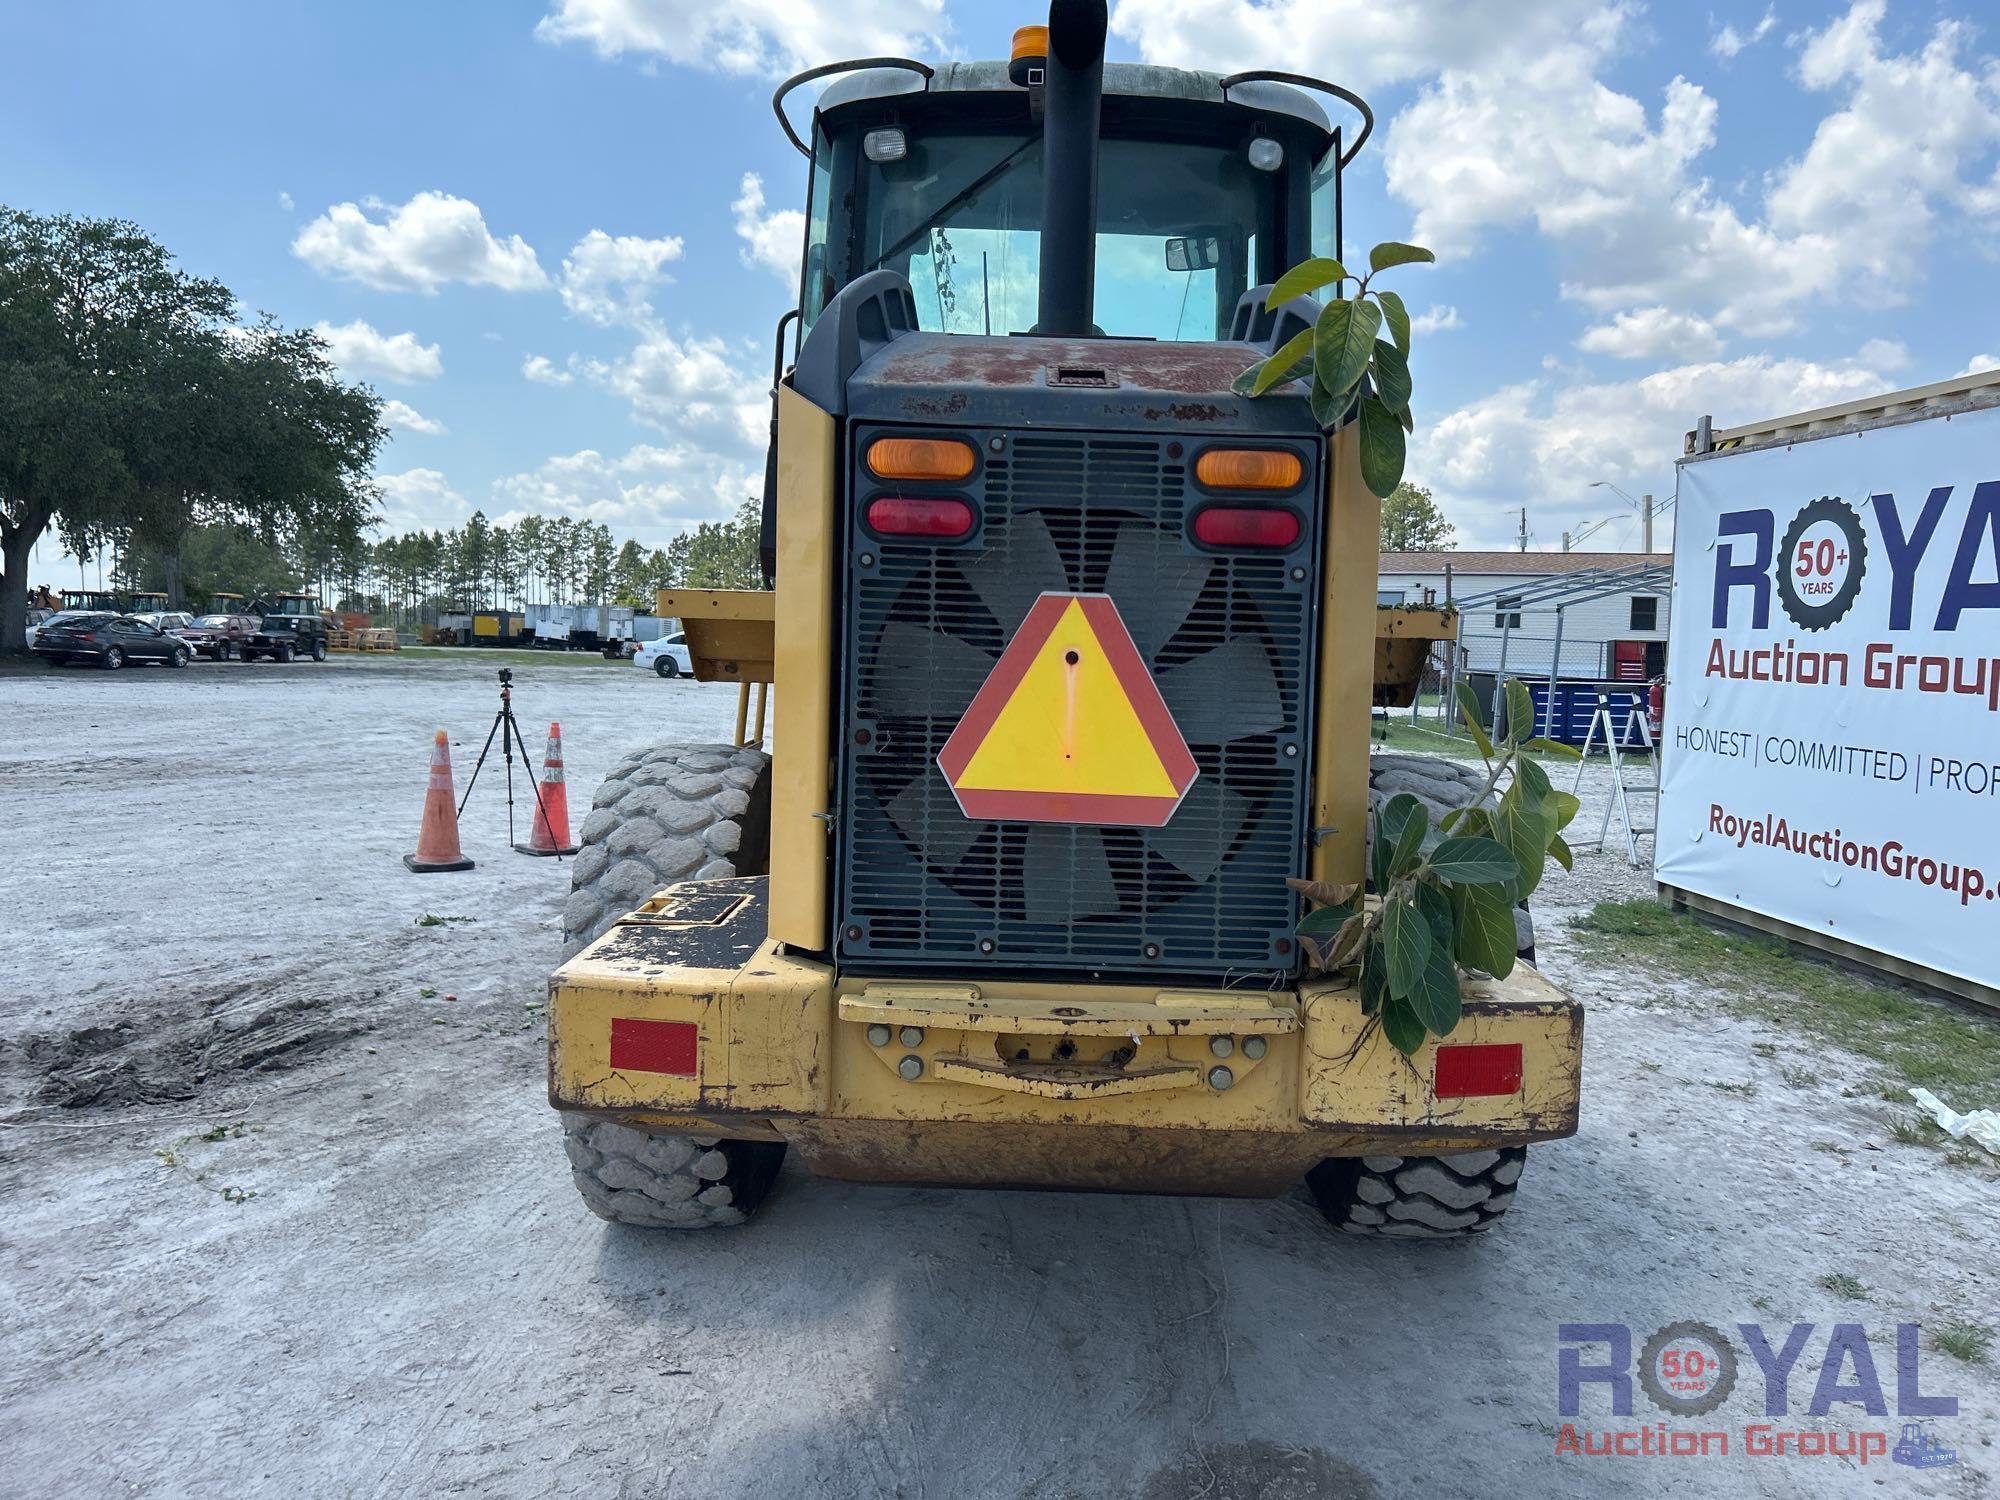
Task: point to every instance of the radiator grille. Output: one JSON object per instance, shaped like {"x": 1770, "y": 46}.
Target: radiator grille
{"x": 1228, "y": 639}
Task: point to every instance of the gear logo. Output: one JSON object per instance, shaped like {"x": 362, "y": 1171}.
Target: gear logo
{"x": 1688, "y": 1368}
{"x": 1822, "y": 563}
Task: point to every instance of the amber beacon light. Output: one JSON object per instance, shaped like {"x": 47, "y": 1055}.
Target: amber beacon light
{"x": 919, "y": 458}
{"x": 1249, "y": 469}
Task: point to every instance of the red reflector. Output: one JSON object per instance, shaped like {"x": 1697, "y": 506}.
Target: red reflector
{"x": 1477, "y": 1072}
{"x": 895, "y": 515}
{"x": 653, "y": 1046}
{"x": 1231, "y": 526}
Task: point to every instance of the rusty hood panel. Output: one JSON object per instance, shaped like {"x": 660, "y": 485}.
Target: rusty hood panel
{"x": 1114, "y": 384}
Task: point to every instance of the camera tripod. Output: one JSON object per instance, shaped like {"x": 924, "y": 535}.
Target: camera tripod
{"x": 509, "y": 729}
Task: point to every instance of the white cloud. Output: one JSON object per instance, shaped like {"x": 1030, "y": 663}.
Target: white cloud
{"x": 650, "y": 489}
{"x": 285, "y": 202}
{"x": 1512, "y": 127}
{"x": 1727, "y": 42}
{"x": 687, "y": 386}
{"x": 605, "y": 279}
{"x": 750, "y": 36}
{"x": 1438, "y": 318}
{"x": 402, "y": 417}
{"x": 1541, "y": 443}
{"x": 432, "y": 240}
{"x": 1980, "y": 363}
{"x": 1653, "y": 332}
{"x": 359, "y": 350}
{"x": 543, "y": 371}
{"x": 419, "y": 499}
{"x": 771, "y": 239}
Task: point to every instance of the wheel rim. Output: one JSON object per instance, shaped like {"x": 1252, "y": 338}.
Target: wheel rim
{"x": 181, "y": 657}
{"x": 114, "y": 659}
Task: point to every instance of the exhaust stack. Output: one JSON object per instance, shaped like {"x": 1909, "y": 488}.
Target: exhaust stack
{"x": 1072, "y": 100}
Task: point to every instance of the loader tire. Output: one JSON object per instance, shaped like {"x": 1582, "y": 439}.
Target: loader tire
{"x": 651, "y": 1180}
{"x": 674, "y": 812}
{"x": 1418, "y": 1197}
{"x": 1442, "y": 786}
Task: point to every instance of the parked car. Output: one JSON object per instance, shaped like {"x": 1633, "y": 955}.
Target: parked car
{"x": 110, "y": 641}
{"x": 37, "y": 618}
{"x": 667, "y": 656}
{"x": 165, "y": 619}
{"x": 218, "y": 636}
{"x": 282, "y": 637}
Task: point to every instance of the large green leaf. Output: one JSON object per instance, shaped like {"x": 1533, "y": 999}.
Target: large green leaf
{"x": 1392, "y": 376}
{"x": 1401, "y": 829}
{"x": 1534, "y": 778}
{"x": 1554, "y": 747}
{"x": 1567, "y": 807}
{"x": 1436, "y": 910}
{"x": 1323, "y": 922}
{"x": 1306, "y": 276}
{"x": 1468, "y": 710}
{"x": 1382, "y": 453}
{"x": 1559, "y": 852}
{"x": 1342, "y": 340}
{"x": 1474, "y": 861}
{"x": 1293, "y": 361}
{"x": 1401, "y": 1026}
{"x": 1374, "y": 976}
{"x": 1246, "y": 380}
{"x": 1395, "y": 253}
{"x": 1397, "y": 317}
{"x": 1520, "y": 711}
{"x": 1328, "y": 409}
{"x": 1485, "y": 938}
{"x": 1525, "y": 830}
{"x": 1435, "y": 999}
{"x": 1407, "y": 936}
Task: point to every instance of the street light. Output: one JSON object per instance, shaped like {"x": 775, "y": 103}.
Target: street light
{"x": 1643, "y": 505}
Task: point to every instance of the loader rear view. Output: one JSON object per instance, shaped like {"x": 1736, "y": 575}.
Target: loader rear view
{"x": 1073, "y": 653}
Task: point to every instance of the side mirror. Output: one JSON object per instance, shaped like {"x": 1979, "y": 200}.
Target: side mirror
{"x": 1194, "y": 253}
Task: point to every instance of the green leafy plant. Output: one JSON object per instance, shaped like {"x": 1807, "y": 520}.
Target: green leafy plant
{"x": 1445, "y": 896}
{"x": 1342, "y": 347}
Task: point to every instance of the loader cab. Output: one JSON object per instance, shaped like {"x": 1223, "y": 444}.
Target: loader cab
{"x": 1208, "y": 187}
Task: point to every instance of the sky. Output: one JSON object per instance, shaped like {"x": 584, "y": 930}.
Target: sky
{"x": 556, "y": 235}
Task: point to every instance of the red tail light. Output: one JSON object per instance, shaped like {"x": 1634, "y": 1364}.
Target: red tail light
{"x": 1241, "y": 526}
{"x": 902, "y": 515}
{"x": 1482, "y": 1071}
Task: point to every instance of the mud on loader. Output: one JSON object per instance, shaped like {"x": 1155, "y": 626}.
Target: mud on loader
{"x": 1074, "y": 656}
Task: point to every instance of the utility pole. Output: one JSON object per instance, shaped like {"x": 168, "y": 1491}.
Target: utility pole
{"x": 1565, "y": 541}
{"x": 1646, "y": 524}
{"x": 1524, "y": 528}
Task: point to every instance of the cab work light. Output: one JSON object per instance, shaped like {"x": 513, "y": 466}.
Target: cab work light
{"x": 905, "y": 515}
{"x": 1249, "y": 469}
{"x": 919, "y": 458}
{"x": 1477, "y": 1071}
{"x": 1240, "y": 526}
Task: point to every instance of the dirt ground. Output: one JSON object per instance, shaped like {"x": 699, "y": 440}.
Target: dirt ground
{"x": 384, "y": 1284}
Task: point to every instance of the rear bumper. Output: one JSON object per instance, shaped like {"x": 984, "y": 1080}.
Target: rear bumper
{"x": 685, "y": 1016}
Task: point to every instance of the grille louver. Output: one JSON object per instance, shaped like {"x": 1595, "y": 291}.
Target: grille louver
{"x": 1228, "y": 639}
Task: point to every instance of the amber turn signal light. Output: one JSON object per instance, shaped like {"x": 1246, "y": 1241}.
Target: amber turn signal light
{"x": 1249, "y": 469}
{"x": 919, "y": 458}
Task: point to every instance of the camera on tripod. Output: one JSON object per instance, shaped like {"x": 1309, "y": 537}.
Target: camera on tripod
{"x": 506, "y": 677}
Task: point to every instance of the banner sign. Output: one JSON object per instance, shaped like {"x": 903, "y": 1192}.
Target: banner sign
{"x": 1832, "y": 739}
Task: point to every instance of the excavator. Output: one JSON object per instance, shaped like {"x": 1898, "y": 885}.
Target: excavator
{"x": 1070, "y": 654}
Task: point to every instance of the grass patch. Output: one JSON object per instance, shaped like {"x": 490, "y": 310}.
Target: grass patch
{"x": 1967, "y": 1341}
{"x": 1843, "y": 1285}
{"x": 1918, "y": 1040}
{"x": 1799, "y": 1078}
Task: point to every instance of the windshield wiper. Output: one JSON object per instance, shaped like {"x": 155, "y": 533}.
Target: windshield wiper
{"x": 965, "y": 195}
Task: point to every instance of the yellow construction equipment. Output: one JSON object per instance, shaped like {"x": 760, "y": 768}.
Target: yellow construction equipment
{"x": 1072, "y": 655}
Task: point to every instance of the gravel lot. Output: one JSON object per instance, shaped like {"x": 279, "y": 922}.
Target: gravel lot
{"x": 210, "y": 924}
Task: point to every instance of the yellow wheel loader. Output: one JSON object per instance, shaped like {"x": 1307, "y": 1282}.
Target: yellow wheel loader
{"x": 1071, "y": 656}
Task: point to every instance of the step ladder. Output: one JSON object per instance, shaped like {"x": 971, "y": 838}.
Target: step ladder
{"x": 1625, "y": 748}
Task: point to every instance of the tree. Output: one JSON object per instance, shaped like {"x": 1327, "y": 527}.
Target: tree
{"x": 1412, "y": 522}
{"x": 134, "y": 407}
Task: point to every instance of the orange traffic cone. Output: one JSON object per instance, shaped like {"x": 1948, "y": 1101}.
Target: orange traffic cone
{"x": 437, "y": 839}
{"x": 551, "y": 831}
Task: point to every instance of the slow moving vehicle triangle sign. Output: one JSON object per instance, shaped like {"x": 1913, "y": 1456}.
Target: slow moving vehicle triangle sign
{"x": 1069, "y": 727}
